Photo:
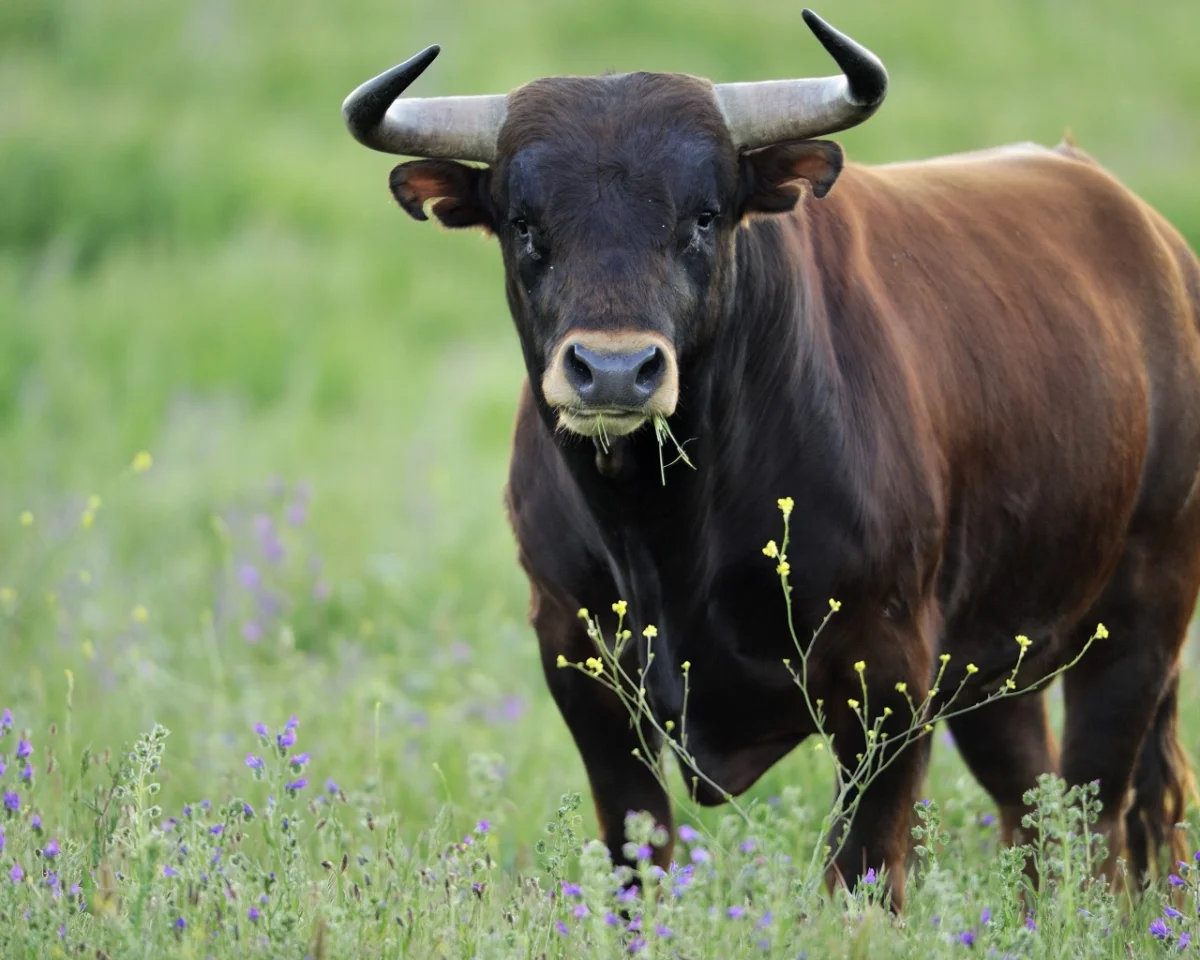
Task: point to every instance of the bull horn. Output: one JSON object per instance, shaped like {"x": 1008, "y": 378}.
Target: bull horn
{"x": 772, "y": 111}
{"x": 451, "y": 128}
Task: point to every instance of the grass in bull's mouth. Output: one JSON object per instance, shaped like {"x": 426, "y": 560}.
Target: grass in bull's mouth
{"x": 663, "y": 434}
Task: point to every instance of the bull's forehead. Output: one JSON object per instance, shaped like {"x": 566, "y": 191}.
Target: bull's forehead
{"x": 655, "y": 136}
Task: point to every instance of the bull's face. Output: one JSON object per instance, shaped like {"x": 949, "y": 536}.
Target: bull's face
{"x": 615, "y": 201}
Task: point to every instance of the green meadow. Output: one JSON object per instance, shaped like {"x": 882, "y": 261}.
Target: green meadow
{"x": 254, "y": 430}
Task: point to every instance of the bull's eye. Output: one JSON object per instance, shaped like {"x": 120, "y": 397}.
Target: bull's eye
{"x": 520, "y": 228}
{"x": 706, "y": 219}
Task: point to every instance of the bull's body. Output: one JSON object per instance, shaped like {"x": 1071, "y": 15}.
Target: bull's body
{"x": 979, "y": 379}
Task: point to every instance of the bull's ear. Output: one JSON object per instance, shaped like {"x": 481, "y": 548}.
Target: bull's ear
{"x": 770, "y": 176}
{"x": 459, "y": 193}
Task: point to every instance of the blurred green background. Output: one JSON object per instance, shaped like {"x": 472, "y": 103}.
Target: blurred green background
{"x": 197, "y": 260}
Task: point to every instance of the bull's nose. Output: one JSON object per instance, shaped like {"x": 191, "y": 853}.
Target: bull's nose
{"x": 614, "y": 379}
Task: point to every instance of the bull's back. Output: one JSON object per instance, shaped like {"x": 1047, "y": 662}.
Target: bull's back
{"x": 1046, "y": 322}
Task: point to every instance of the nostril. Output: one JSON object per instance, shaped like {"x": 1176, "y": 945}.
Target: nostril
{"x": 579, "y": 371}
{"x": 651, "y": 370}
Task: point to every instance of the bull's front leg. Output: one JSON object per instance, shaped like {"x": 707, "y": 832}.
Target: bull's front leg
{"x": 883, "y": 766}
{"x": 601, "y": 726}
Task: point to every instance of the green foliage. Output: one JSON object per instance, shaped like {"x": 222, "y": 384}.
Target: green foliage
{"x": 195, "y": 259}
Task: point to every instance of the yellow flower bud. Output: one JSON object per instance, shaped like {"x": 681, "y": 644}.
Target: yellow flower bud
{"x": 771, "y": 550}
{"x": 142, "y": 462}
{"x": 669, "y": 726}
{"x": 945, "y": 658}
{"x": 93, "y": 503}
{"x": 971, "y": 668}
{"x": 835, "y": 605}
{"x": 561, "y": 661}
{"x": 87, "y": 519}
{"x": 1101, "y": 632}
{"x": 620, "y": 607}
{"x": 140, "y": 614}
{"x": 650, "y": 631}
{"x": 853, "y": 703}
{"x": 784, "y": 568}
{"x": 860, "y": 666}
{"x": 686, "y": 666}
{"x": 902, "y": 688}
{"x": 1023, "y": 641}
{"x": 887, "y": 711}
{"x": 583, "y": 613}
{"x": 785, "y": 506}
{"x": 27, "y": 518}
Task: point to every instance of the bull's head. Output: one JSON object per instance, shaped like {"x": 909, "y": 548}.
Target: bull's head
{"x": 615, "y": 200}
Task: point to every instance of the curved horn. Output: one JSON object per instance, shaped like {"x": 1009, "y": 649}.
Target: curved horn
{"x": 452, "y": 128}
{"x": 775, "y": 110}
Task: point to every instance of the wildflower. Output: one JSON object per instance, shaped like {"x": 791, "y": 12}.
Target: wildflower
{"x": 853, "y": 704}
{"x": 1159, "y": 929}
{"x": 1172, "y": 913}
{"x": 662, "y": 931}
{"x": 1101, "y": 632}
{"x": 27, "y": 773}
{"x": 687, "y": 665}
{"x": 971, "y": 668}
{"x": 260, "y": 729}
{"x": 784, "y": 568}
{"x": 620, "y": 607}
{"x": 180, "y": 923}
{"x": 296, "y": 785}
{"x": 987, "y": 819}
{"x": 870, "y": 876}
{"x": 944, "y": 658}
{"x": 637, "y": 944}
{"x": 860, "y": 666}
{"x": 581, "y": 910}
{"x": 967, "y": 938}
{"x": 169, "y": 871}
{"x": 1029, "y": 921}
{"x": 26, "y": 518}
{"x": 86, "y": 519}
{"x": 286, "y": 739}
{"x": 650, "y": 632}
{"x": 332, "y": 787}
{"x": 645, "y": 852}
{"x": 299, "y": 760}
{"x": 595, "y": 665}
{"x": 561, "y": 661}
{"x": 771, "y": 550}
{"x": 24, "y": 749}
{"x": 986, "y": 917}
{"x": 611, "y": 919}
{"x": 902, "y": 688}
{"x": 247, "y": 811}
{"x": 571, "y": 889}
{"x": 6, "y": 722}
{"x": 140, "y": 614}
{"x": 835, "y": 605}
{"x": 3, "y": 765}
{"x": 252, "y": 914}
{"x": 582, "y": 613}
{"x": 141, "y": 463}
{"x": 16, "y": 874}
{"x": 735, "y": 913}
{"x": 51, "y": 851}
{"x": 1183, "y": 941}
{"x": 2, "y": 839}
{"x": 1174, "y": 881}
{"x": 1023, "y": 641}
{"x": 785, "y": 506}
{"x": 252, "y": 631}
{"x": 561, "y": 928}
{"x": 254, "y": 763}
{"x": 217, "y": 829}
{"x": 700, "y": 855}
{"x": 12, "y": 801}
{"x": 746, "y": 846}
{"x": 8, "y": 596}
{"x": 688, "y": 833}
{"x": 669, "y": 725}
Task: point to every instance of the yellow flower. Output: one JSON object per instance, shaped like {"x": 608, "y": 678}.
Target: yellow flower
{"x": 860, "y": 666}
{"x": 853, "y": 704}
{"x": 686, "y": 666}
{"x": 87, "y": 649}
{"x": 771, "y": 550}
{"x": 93, "y": 503}
{"x": 887, "y": 711}
{"x": 87, "y": 519}
{"x": 140, "y": 614}
{"x": 8, "y": 596}
{"x": 945, "y": 658}
{"x": 818, "y": 745}
{"x": 1023, "y": 641}
{"x": 1010, "y": 683}
{"x": 1101, "y": 632}
{"x": 929, "y": 728}
{"x": 902, "y": 688}
{"x": 620, "y": 607}
{"x": 650, "y": 631}
{"x": 971, "y": 668}
{"x": 366, "y": 628}
{"x": 870, "y": 734}
{"x": 561, "y": 661}
{"x": 626, "y": 634}
{"x": 787, "y": 661}
{"x": 669, "y": 726}
{"x": 85, "y": 577}
{"x": 26, "y": 518}
{"x": 784, "y": 568}
{"x": 595, "y": 664}
{"x": 51, "y": 598}
{"x": 142, "y": 462}
{"x": 835, "y": 605}
{"x": 785, "y": 506}
{"x": 583, "y": 613}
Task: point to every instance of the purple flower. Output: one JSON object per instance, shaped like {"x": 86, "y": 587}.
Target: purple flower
{"x": 3, "y": 765}
{"x": 251, "y": 631}
{"x": 870, "y": 876}
{"x": 637, "y": 944}
{"x": 1183, "y": 941}
{"x": 36, "y": 822}
{"x": 1029, "y": 921}
{"x": 62, "y": 929}
{"x": 1159, "y": 929}
{"x": 12, "y": 801}
{"x": 688, "y": 834}
{"x": 16, "y": 874}
{"x": 481, "y": 827}
{"x": 700, "y": 855}
{"x": 180, "y": 923}
{"x": 253, "y": 762}
{"x": 249, "y": 576}
{"x": 611, "y": 919}
{"x": 967, "y": 938}
{"x": 6, "y": 719}
{"x": 571, "y": 889}
{"x": 635, "y": 924}
{"x": 766, "y": 920}
{"x": 735, "y": 913}
{"x": 286, "y": 739}
{"x": 1174, "y": 881}
{"x": 298, "y": 784}
{"x": 580, "y": 911}
{"x": 663, "y": 931}
{"x": 747, "y": 846}
{"x": 24, "y": 749}
{"x": 987, "y": 819}
{"x": 260, "y": 729}
{"x": 27, "y": 773}
{"x": 169, "y": 871}
{"x": 299, "y": 760}
{"x": 2, "y": 839}
{"x": 51, "y": 850}
{"x": 985, "y": 917}
{"x": 247, "y": 811}
{"x": 628, "y": 895}
{"x": 205, "y": 804}
{"x": 645, "y": 852}
{"x": 253, "y": 914}
{"x": 561, "y": 928}
{"x": 296, "y": 514}
{"x": 217, "y": 829}
{"x": 1172, "y": 913}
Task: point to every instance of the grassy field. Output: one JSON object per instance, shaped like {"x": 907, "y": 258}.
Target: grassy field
{"x": 197, "y": 263}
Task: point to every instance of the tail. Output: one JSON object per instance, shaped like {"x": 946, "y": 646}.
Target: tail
{"x": 1162, "y": 786}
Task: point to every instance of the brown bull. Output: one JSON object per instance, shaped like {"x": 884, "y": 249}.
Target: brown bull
{"x": 978, "y": 377}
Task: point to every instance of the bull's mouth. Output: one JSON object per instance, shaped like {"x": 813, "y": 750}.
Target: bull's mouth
{"x": 602, "y": 424}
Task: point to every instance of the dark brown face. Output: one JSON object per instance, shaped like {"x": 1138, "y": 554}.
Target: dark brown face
{"x": 615, "y": 201}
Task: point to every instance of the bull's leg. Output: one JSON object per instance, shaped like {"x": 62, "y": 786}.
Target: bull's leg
{"x": 603, "y": 733}
{"x": 1007, "y": 744}
{"x": 876, "y": 833}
